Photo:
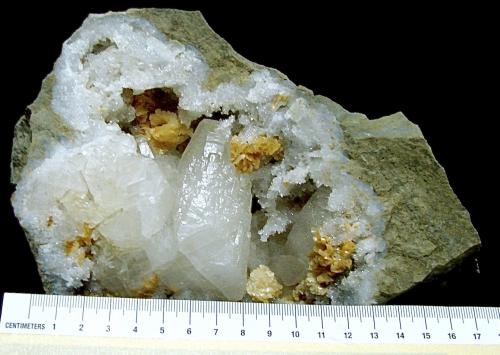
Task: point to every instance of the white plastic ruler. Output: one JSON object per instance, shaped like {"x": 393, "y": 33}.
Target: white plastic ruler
{"x": 229, "y": 321}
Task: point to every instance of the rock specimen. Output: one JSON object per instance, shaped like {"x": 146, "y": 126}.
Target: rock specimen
{"x": 157, "y": 162}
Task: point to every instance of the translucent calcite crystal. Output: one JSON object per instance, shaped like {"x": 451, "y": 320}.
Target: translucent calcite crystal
{"x": 213, "y": 220}
{"x": 156, "y": 162}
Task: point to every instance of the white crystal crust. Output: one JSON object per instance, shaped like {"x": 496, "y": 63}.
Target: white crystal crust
{"x": 187, "y": 219}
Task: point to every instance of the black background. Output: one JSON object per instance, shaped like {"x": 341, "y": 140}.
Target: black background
{"x": 432, "y": 64}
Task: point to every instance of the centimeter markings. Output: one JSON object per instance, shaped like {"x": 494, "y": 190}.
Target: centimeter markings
{"x": 202, "y": 320}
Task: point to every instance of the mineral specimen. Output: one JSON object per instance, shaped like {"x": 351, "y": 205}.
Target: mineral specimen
{"x": 157, "y": 162}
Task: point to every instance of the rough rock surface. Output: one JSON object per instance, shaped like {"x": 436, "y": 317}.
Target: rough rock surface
{"x": 427, "y": 230}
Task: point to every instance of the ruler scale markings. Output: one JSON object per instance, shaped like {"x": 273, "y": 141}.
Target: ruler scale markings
{"x": 399, "y": 319}
{"x": 57, "y": 304}
{"x": 480, "y": 312}
{"x": 136, "y": 309}
{"x": 216, "y": 313}
{"x": 243, "y": 315}
{"x": 29, "y": 307}
{"x": 295, "y": 316}
{"x": 449, "y": 315}
{"x": 425, "y": 319}
{"x": 110, "y": 304}
{"x": 46, "y": 309}
{"x": 421, "y": 311}
{"x": 83, "y": 309}
{"x": 162, "y": 311}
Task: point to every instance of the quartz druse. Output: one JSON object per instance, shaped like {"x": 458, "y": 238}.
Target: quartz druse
{"x": 157, "y": 162}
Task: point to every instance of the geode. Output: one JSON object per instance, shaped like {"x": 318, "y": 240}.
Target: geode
{"x": 157, "y": 162}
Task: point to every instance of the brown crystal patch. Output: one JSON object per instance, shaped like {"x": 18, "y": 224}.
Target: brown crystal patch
{"x": 165, "y": 131}
{"x": 248, "y": 156}
{"x": 150, "y": 100}
{"x": 327, "y": 262}
{"x": 156, "y": 118}
{"x": 50, "y": 221}
{"x": 149, "y": 287}
{"x": 81, "y": 245}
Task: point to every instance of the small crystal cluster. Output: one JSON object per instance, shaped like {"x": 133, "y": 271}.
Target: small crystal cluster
{"x": 248, "y": 156}
{"x": 327, "y": 262}
{"x": 156, "y": 119}
{"x": 262, "y": 285}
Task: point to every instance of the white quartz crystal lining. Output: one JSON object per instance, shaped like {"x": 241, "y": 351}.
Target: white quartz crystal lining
{"x": 104, "y": 177}
{"x": 89, "y": 86}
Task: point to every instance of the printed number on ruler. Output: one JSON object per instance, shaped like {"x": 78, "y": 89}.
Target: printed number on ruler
{"x": 175, "y": 319}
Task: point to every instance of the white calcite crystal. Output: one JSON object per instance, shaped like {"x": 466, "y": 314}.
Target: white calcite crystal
{"x": 213, "y": 215}
{"x": 148, "y": 192}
